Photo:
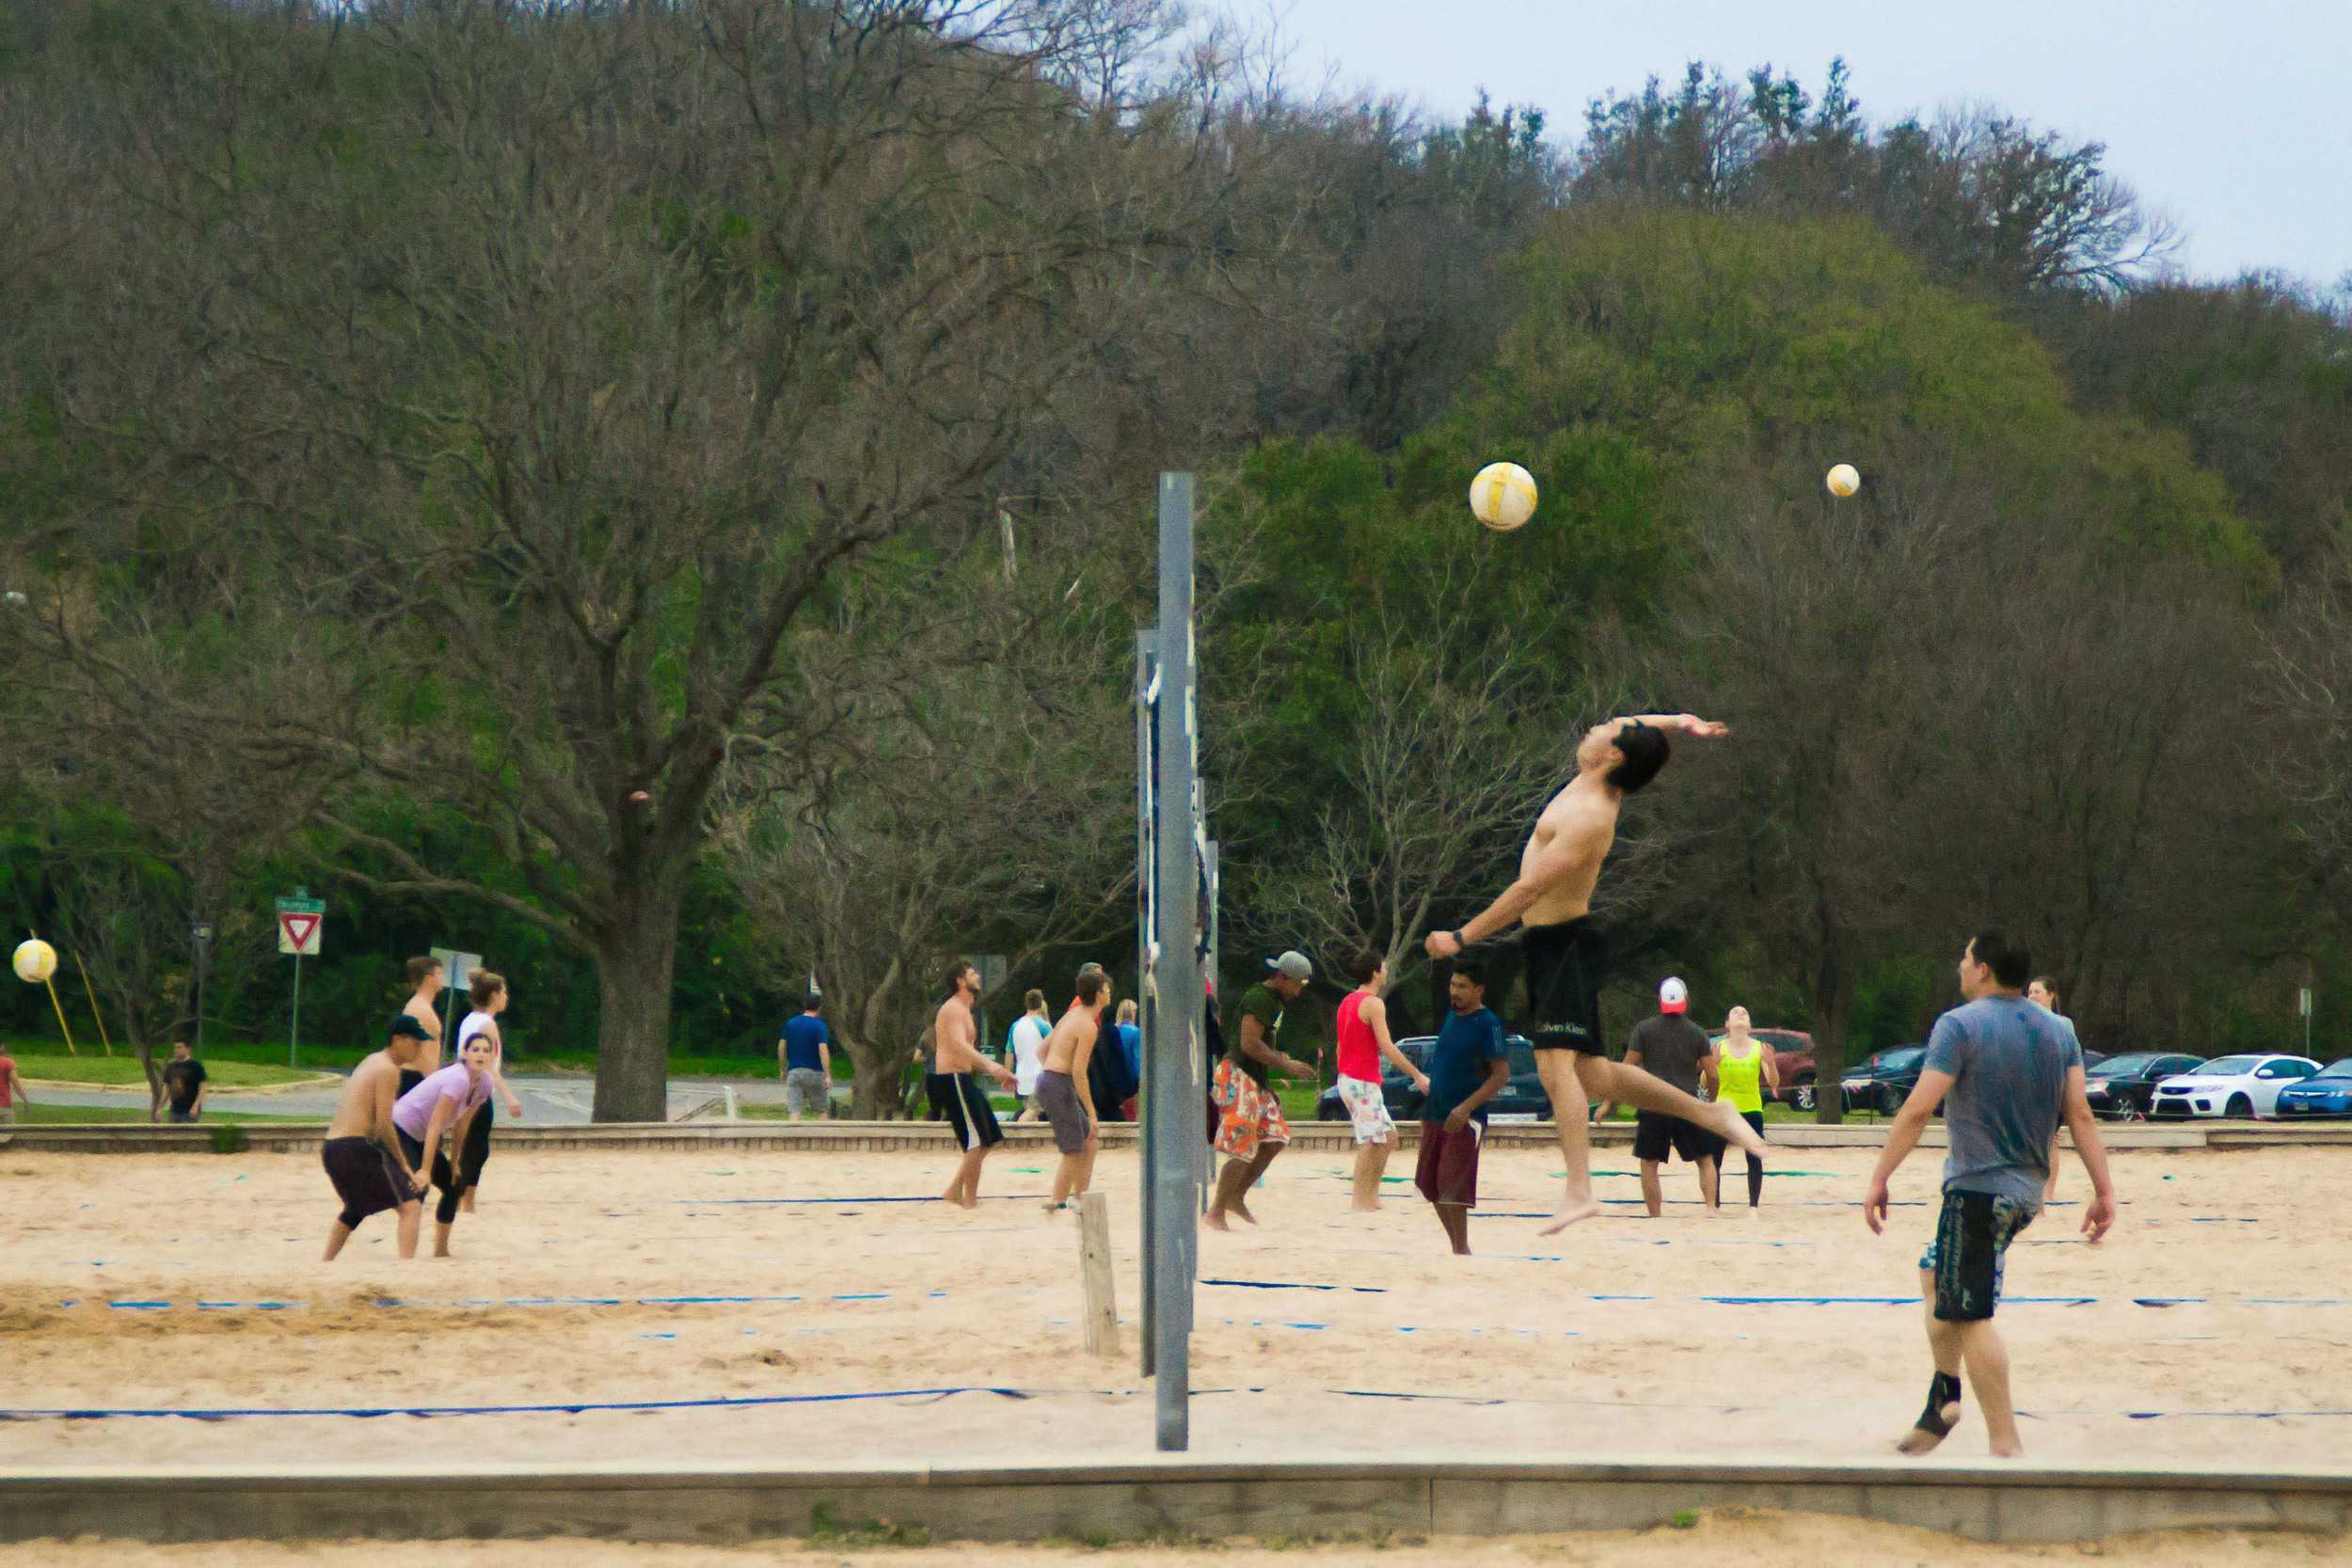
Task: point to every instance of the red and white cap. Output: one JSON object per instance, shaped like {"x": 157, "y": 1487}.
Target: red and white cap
{"x": 1673, "y": 996}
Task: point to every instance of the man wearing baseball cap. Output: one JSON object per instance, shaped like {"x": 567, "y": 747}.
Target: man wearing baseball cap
{"x": 1673, "y": 1048}
{"x": 1251, "y": 1128}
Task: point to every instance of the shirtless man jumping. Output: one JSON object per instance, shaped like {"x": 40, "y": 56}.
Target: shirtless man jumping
{"x": 1064, "y": 1093}
{"x": 954, "y": 1092}
{"x": 1568, "y": 956}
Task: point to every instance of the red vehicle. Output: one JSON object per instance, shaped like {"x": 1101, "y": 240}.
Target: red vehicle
{"x": 1792, "y": 1059}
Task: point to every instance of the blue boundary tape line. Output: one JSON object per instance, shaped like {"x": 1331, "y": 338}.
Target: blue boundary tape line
{"x": 843, "y": 1202}
{"x": 129, "y": 1306}
{"x": 370, "y": 1412}
{"x": 1283, "y": 1285}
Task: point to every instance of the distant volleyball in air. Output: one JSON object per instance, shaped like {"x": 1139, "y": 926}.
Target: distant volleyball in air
{"x": 1843, "y": 481}
{"x": 1502, "y": 495}
{"x": 36, "y": 961}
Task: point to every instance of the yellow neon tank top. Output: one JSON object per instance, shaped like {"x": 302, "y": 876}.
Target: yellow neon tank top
{"x": 1740, "y": 1079}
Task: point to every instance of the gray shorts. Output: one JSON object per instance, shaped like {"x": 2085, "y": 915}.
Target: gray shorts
{"x": 806, "y": 1089}
{"x": 1058, "y": 1099}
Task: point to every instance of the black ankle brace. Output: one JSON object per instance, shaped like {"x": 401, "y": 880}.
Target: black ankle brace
{"x": 1943, "y": 1389}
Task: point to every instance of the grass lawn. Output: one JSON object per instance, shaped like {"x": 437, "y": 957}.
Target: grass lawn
{"x": 38, "y": 1115}
{"x": 220, "y": 1058}
{"x": 123, "y": 1068}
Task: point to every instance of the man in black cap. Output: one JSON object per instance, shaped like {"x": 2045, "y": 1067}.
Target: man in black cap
{"x": 362, "y": 1154}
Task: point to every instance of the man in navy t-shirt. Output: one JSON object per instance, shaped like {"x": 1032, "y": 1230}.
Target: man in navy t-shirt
{"x": 1467, "y": 1067}
{"x": 804, "y": 1062}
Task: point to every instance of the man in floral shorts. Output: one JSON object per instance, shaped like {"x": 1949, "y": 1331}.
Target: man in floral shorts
{"x": 1251, "y": 1128}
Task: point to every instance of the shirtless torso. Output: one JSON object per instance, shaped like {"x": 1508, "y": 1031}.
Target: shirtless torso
{"x": 428, "y": 1058}
{"x": 1572, "y": 837}
{"x": 365, "y": 1110}
{"x": 955, "y": 1038}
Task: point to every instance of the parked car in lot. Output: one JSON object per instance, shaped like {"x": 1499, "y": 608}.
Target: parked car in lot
{"x": 1522, "y": 1099}
{"x": 1792, "y": 1058}
{"x": 2231, "y": 1087}
{"x": 2122, "y": 1087}
{"x": 2325, "y": 1093}
{"x": 1884, "y": 1079}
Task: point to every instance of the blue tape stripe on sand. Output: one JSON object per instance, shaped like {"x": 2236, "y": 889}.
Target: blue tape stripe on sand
{"x": 367, "y": 1411}
{"x": 1282, "y": 1285}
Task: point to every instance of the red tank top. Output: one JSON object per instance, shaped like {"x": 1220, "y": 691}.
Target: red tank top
{"x": 1359, "y": 1054}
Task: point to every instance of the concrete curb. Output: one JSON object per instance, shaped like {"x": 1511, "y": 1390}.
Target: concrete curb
{"x": 1153, "y": 1496}
{"x": 781, "y": 1137}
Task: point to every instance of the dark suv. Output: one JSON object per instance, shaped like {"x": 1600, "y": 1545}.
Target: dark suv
{"x": 2122, "y": 1088}
{"x": 1521, "y": 1100}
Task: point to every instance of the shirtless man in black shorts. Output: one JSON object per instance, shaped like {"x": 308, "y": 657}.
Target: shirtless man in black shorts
{"x": 955, "y": 1093}
{"x": 1568, "y": 956}
{"x": 363, "y": 1157}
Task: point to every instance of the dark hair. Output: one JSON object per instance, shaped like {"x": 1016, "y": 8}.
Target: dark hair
{"x": 482, "y": 985}
{"x": 1032, "y": 999}
{"x": 1362, "y": 966}
{"x": 419, "y": 968}
{"x": 2010, "y": 962}
{"x": 2046, "y": 982}
{"x": 1090, "y": 984}
{"x": 813, "y": 1001}
{"x": 956, "y": 973}
{"x": 1472, "y": 970}
{"x": 1645, "y": 752}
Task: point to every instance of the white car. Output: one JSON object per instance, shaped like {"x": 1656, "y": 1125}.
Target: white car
{"x": 2230, "y": 1086}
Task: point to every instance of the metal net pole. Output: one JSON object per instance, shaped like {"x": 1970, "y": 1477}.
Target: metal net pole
{"x": 1174, "y": 1104}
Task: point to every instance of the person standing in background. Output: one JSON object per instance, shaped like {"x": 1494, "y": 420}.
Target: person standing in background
{"x": 1025, "y": 1043}
{"x": 183, "y": 1084}
{"x": 1739, "y": 1073}
{"x": 805, "y": 1061}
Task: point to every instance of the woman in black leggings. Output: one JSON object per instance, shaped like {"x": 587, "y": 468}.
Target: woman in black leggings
{"x": 1741, "y": 1070}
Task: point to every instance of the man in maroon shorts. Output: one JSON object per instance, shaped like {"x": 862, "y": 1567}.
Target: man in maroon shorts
{"x": 1467, "y": 1067}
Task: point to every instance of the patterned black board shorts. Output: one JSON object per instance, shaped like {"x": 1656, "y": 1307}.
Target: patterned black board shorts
{"x": 1972, "y": 1237}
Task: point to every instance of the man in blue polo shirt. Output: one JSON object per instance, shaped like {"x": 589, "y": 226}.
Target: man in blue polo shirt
{"x": 1467, "y": 1067}
{"x": 804, "y": 1062}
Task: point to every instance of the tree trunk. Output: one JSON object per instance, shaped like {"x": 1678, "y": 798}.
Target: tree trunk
{"x": 1831, "y": 986}
{"x": 635, "y": 963}
{"x": 882, "y": 1074}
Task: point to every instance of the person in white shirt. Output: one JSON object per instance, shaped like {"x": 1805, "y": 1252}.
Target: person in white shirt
{"x": 1025, "y": 1043}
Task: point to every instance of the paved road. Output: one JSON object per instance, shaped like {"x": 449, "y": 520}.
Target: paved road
{"x": 546, "y": 1102}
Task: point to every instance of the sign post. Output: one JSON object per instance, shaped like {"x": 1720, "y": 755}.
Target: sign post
{"x": 457, "y": 974}
{"x": 299, "y": 920}
{"x": 201, "y": 932}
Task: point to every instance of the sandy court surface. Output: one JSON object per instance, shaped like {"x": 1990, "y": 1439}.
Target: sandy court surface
{"x": 1764, "y": 1541}
{"x": 1326, "y": 1333}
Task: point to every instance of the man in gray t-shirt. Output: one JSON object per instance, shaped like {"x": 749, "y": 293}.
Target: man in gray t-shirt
{"x": 1672, "y": 1049}
{"x": 2006, "y": 1073}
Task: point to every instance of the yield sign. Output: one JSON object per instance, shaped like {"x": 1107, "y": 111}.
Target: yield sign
{"x": 298, "y": 934}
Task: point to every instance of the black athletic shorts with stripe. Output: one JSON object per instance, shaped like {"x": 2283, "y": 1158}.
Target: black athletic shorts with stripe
{"x": 964, "y": 1106}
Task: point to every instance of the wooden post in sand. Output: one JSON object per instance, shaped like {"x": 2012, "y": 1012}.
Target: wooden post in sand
{"x": 1094, "y": 1270}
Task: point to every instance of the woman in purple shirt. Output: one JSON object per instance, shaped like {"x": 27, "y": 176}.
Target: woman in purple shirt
{"x": 434, "y": 1117}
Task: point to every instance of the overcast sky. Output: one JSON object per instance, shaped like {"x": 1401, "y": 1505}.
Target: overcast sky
{"x": 2235, "y": 117}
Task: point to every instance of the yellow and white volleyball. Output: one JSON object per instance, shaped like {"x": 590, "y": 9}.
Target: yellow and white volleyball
{"x": 1502, "y": 495}
{"x": 1843, "y": 481}
{"x": 36, "y": 961}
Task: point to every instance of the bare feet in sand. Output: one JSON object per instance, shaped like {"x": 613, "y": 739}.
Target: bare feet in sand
{"x": 1214, "y": 1221}
{"x": 1571, "y": 1213}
